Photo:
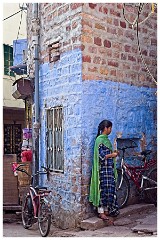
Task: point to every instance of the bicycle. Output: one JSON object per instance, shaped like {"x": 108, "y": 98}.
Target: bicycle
{"x": 144, "y": 177}
{"x": 35, "y": 206}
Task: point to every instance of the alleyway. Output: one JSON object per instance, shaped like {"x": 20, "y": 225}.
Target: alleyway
{"x": 137, "y": 224}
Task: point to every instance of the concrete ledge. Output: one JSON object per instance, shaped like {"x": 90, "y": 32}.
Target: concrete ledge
{"x": 94, "y": 223}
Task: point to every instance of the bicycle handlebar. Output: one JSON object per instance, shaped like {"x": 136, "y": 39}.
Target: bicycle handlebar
{"x": 126, "y": 147}
{"x": 47, "y": 170}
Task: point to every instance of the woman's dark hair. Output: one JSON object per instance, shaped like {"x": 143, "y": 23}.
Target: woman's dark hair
{"x": 102, "y": 125}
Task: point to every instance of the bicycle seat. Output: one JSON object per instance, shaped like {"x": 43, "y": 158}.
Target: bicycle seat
{"x": 146, "y": 152}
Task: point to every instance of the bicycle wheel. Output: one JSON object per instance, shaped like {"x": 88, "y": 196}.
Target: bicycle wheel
{"x": 27, "y": 212}
{"x": 152, "y": 193}
{"x": 44, "y": 219}
{"x": 123, "y": 190}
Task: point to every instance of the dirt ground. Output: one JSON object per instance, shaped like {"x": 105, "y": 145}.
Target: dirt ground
{"x": 122, "y": 228}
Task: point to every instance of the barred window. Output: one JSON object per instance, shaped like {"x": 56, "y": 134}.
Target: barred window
{"x": 55, "y": 153}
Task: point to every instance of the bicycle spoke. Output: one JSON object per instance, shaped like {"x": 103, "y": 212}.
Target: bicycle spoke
{"x": 44, "y": 219}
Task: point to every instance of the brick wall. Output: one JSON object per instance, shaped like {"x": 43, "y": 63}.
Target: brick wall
{"x": 110, "y": 49}
{"x": 96, "y": 44}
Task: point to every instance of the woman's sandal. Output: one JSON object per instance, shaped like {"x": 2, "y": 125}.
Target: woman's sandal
{"x": 105, "y": 218}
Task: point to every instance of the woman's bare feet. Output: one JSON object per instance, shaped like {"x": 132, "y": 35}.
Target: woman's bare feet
{"x": 106, "y": 219}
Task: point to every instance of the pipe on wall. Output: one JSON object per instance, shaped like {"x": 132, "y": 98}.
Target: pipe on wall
{"x": 36, "y": 120}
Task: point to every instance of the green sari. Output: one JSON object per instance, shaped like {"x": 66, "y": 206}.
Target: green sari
{"x": 94, "y": 196}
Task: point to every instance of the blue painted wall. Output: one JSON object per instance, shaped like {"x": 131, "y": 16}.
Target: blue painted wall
{"x": 131, "y": 109}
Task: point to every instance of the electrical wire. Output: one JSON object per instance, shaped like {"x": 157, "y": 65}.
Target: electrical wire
{"x": 12, "y": 15}
{"x": 141, "y": 5}
{"x": 140, "y": 52}
{"x": 18, "y": 33}
{"x": 137, "y": 23}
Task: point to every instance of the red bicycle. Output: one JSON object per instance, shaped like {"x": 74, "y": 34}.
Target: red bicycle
{"x": 35, "y": 206}
{"x": 143, "y": 176}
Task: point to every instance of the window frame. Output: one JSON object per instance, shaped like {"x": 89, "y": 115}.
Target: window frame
{"x": 52, "y": 148}
{"x": 8, "y": 60}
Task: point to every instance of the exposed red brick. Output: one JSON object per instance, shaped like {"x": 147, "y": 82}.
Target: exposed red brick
{"x": 153, "y": 41}
{"x": 113, "y": 12}
{"x": 105, "y": 10}
{"x": 144, "y": 30}
{"x": 76, "y": 5}
{"x": 103, "y": 71}
{"x": 120, "y": 5}
{"x": 116, "y": 54}
{"x": 98, "y": 41}
{"x": 92, "y": 49}
{"x": 113, "y": 63}
{"x": 144, "y": 52}
{"x": 130, "y": 34}
{"x": 117, "y": 45}
{"x": 85, "y": 22}
{"x": 131, "y": 58}
{"x": 127, "y": 48}
{"x": 123, "y": 56}
{"x": 122, "y": 24}
{"x": 113, "y": 72}
{"x": 97, "y": 60}
{"x": 99, "y": 26}
{"x": 92, "y": 69}
{"x": 109, "y": 20}
{"x": 82, "y": 47}
{"x": 66, "y": 8}
{"x": 87, "y": 39}
{"x": 152, "y": 53}
{"x": 76, "y": 39}
{"x": 92, "y": 5}
{"x": 86, "y": 58}
{"x": 101, "y": 9}
{"x": 107, "y": 43}
{"x": 135, "y": 49}
{"x": 68, "y": 28}
{"x": 56, "y": 5}
{"x": 116, "y": 22}
{"x": 120, "y": 32}
{"x": 74, "y": 24}
{"x": 126, "y": 66}
{"x": 103, "y": 62}
{"x": 112, "y": 30}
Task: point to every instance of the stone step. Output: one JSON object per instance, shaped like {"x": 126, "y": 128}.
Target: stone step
{"x": 94, "y": 223}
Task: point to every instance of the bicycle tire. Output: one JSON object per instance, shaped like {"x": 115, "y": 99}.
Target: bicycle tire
{"x": 123, "y": 191}
{"x": 27, "y": 212}
{"x": 44, "y": 219}
{"x": 152, "y": 193}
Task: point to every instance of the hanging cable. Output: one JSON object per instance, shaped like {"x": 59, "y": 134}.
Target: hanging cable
{"x": 137, "y": 23}
{"x": 139, "y": 48}
{"x": 18, "y": 33}
{"x": 141, "y": 5}
{"x": 12, "y": 15}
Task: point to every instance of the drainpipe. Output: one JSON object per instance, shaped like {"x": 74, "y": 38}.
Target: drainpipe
{"x": 36, "y": 120}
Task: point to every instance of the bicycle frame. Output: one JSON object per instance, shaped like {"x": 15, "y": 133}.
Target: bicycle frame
{"x": 135, "y": 173}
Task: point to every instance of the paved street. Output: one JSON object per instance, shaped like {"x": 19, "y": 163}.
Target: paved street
{"x": 136, "y": 224}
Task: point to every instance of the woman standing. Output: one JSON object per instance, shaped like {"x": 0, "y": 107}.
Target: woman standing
{"x": 102, "y": 187}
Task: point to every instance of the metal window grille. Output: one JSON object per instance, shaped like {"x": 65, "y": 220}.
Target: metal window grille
{"x": 55, "y": 156}
{"x": 8, "y": 59}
